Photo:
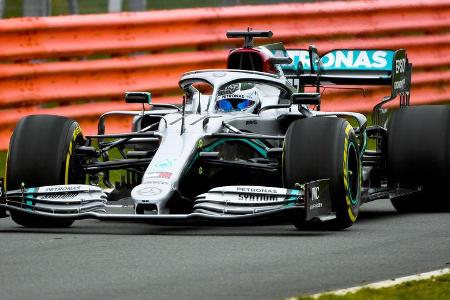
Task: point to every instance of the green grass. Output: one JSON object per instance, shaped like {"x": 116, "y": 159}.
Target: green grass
{"x": 436, "y": 288}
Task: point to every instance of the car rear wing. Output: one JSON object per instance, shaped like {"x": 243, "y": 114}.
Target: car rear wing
{"x": 349, "y": 67}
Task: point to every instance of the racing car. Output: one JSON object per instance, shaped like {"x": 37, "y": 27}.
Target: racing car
{"x": 248, "y": 145}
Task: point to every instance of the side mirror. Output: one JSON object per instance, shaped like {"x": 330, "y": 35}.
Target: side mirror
{"x": 138, "y": 97}
{"x": 306, "y": 98}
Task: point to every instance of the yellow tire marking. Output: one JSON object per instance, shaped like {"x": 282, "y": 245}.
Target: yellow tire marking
{"x": 347, "y": 198}
{"x": 344, "y": 162}
{"x": 347, "y": 129}
{"x": 76, "y": 132}
{"x": 350, "y": 212}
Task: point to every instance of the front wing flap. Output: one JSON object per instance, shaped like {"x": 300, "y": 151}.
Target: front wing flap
{"x": 222, "y": 205}
{"x": 58, "y": 199}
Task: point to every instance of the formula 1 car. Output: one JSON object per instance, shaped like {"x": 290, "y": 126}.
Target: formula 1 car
{"x": 248, "y": 145}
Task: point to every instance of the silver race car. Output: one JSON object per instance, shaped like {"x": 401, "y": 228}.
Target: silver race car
{"x": 247, "y": 146}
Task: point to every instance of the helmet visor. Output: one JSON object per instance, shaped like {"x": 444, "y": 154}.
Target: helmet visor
{"x": 233, "y": 104}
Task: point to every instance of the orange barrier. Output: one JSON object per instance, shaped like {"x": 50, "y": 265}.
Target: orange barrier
{"x": 160, "y": 30}
{"x": 103, "y": 78}
{"x": 39, "y": 83}
{"x": 172, "y": 42}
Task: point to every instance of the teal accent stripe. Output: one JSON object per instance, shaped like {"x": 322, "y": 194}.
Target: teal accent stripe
{"x": 254, "y": 145}
{"x": 219, "y": 142}
{"x": 363, "y": 148}
{"x": 294, "y": 194}
{"x": 30, "y": 192}
{"x": 196, "y": 156}
{"x": 293, "y": 197}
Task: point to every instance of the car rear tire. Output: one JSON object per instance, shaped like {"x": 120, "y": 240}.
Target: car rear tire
{"x": 418, "y": 154}
{"x": 321, "y": 148}
{"x": 40, "y": 153}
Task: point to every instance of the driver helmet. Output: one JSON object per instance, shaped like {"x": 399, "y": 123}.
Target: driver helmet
{"x": 238, "y": 97}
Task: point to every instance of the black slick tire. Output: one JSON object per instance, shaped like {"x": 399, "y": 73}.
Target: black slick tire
{"x": 40, "y": 153}
{"x": 320, "y": 148}
{"x": 418, "y": 154}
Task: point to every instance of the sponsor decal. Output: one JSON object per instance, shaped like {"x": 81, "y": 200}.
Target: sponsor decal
{"x": 399, "y": 85}
{"x": 69, "y": 188}
{"x": 315, "y": 193}
{"x": 166, "y": 163}
{"x": 400, "y": 65}
{"x": 315, "y": 206}
{"x": 150, "y": 191}
{"x": 343, "y": 59}
{"x": 165, "y": 175}
{"x": 257, "y": 190}
{"x": 400, "y": 80}
{"x": 315, "y": 198}
{"x": 257, "y": 198}
{"x": 357, "y": 60}
{"x": 157, "y": 182}
{"x": 53, "y": 196}
{"x": 232, "y": 96}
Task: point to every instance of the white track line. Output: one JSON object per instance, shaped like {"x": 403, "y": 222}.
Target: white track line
{"x": 387, "y": 283}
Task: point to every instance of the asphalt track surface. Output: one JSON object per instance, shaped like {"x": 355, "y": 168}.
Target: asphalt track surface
{"x": 95, "y": 260}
